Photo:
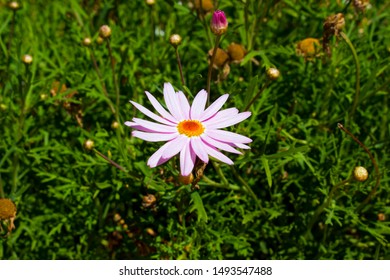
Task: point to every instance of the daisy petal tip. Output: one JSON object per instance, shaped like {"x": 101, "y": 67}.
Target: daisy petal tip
{"x": 128, "y": 123}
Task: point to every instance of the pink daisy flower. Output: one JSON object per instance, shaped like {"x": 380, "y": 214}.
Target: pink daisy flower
{"x": 193, "y": 131}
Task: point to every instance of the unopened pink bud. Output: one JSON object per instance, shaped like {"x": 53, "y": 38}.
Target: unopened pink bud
{"x": 219, "y": 23}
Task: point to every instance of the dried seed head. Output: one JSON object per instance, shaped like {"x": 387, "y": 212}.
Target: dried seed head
{"x": 7, "y": 209}
{"x": 89, "y": 144}
{"x": 308, "y": 48}
{"x": 219, "y": 23}
{"x": 148, "y": 200}
{"x": 360, "y": 174}
{"x": 150, "y": 2}
{"x": 105, "y": 31}
{"x": 87, "y": 41}
{"x": 175, "y": 40}
{"x": 273, "y": 73}
{"x": 381, "y": 217}
{"x": 334, "y": 24}
{"x": 185, "y": 180}
{"x": 236, "y": 52}
{"x": 27, "y": 59}
{"x": 117, "y": 217}
{"x": 151, "y": 232}
{"x": 207, "y": 5}
{"x": 360, "y": 5}
{"x": 14, "y": 5}
{"x": 221, "y": 57}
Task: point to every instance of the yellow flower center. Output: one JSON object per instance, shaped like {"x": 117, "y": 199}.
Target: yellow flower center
{"x": 190, "y": 128}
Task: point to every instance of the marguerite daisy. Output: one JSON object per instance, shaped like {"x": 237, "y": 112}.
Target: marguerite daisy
{"x": 193, "y": 131}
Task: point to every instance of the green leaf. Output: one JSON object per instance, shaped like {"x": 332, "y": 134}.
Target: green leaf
{"x": 264, "y": 160}
{"x": 198, "y": 205}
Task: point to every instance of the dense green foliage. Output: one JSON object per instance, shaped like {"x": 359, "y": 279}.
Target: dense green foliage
{"x": 286, "y": 198}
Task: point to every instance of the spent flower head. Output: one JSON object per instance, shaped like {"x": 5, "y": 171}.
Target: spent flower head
{"x": 175, "y": 40}
{"x": 219, "y": 23}
{"x": 191, "y": 130}
{"x": 27, "y": 59}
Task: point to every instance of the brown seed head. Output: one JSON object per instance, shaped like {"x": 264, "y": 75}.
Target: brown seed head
{"x": 7, "y": 209}
{"x": 308, "y": 48}
{"x": 360, "y": 174}
{"x": 207, "y": 5}
{"x": 334, "y": 24}
{"x": 105, "y": 31}
{"x": 236, "y": 52}
{"x": 221, "y": 57}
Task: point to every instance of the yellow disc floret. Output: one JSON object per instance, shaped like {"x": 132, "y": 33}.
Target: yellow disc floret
{"x": 190, "y": 128}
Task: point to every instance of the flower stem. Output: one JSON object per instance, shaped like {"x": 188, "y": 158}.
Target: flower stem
{"x": 113, "y": 163}
{"x": 217, "y": 39}
{"x": 356, "y": 60}
{"x": 179, "y": 64}
{"x": 115, "y": 80}
{"x": 95, "y": 65}
{"x": 11, "y": 33}
{"x": 373, "y": 191}
{"x": 257, "y": 95}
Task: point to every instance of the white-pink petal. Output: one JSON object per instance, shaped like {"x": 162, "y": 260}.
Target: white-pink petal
{"x": 156, "y": 158}
{"x": 222, "y": 115}
{"x": 175, "y": 146}
{"x": 138, "y": 127}
{"x": 156, "y": 127}
{"x": 214, "y": 107}
{"x": 227, "y": 136}
{"x": 198, "y": 105}
{"x": 150, "y": 114}
{"x": 218, "y": 155}
{"x": 242, "y": 146}
{"x": 160, "y": 109}
{"x": 154, "y": 137}
{"x": 172, "y": 102}
{"x": 220, "y": 145}
{"x": 230, "y": 121}
{"x": 198, "y": 147}
{"x": 185, "y": 106}
{"x": 187, "y": 160}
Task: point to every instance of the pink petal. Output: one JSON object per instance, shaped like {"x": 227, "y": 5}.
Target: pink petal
{"x": 175, "y": 146}
{"x": 242, "y": 146}
{"x": 138, "y": 127}
{"x": 160, "y": 109}
{"x": 156, "y": 158}
{"x": 172, "y": 102}
{"x": 214, "y": 108}
{"x": 154, "y": 137}
{"x": 156, "y": 127}
{"x": 230, "y": 121}
{"x": 150, "y": 114}
{"x": 227, "y": 136}
{"x": 198, "y": 148}
{"x": 198, "y": 105}
{"x": 218, "y": 155}
{"x": 187, "y": 160}
{"x": 185, "y": 106}
{"x": 222, "y": 115}
{"x": 222, "y": 146}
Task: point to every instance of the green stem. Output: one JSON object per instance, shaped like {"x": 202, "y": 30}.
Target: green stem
{"x": 115, "y": 80}
{"x": 355, "y": 58}
{"x": 95, "y": 65}
{"x": 257, "y": 95}
{"x": 217, "y": 39}
{"x": 373, "y": 191}
{"x": 179, "y": 64}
